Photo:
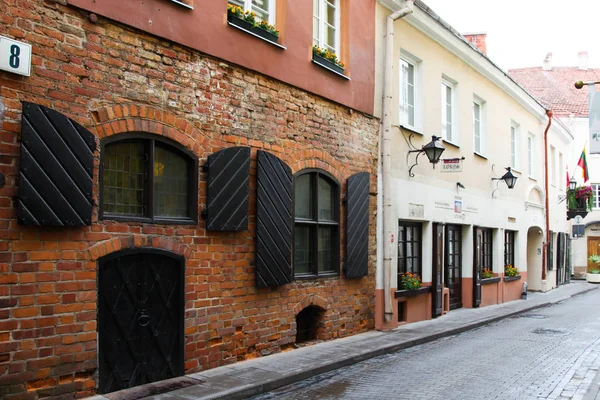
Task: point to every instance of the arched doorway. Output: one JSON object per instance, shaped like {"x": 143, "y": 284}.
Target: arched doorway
{"x": 140, "y": 318}
{"x": 535, "y": 240}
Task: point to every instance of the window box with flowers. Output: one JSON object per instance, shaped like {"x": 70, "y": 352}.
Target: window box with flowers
{"x": 410, "y": 285}
{"x": 487, "y": 276}
{"x": 511, "y": 273}
{"x": 579, "y": 201}
{"x": 246, "y": 21}
{"x": 328, "y": 60}
{"x": 593, "y": 274}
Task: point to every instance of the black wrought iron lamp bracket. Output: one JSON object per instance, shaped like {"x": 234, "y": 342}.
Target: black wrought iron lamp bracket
{"x": 413, "y": 149}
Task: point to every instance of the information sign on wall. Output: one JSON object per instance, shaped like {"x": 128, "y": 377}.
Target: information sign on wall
{"x": 15, "y": 56}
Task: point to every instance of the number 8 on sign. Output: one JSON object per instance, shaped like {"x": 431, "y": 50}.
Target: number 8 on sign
{"x": 15, "y": 56}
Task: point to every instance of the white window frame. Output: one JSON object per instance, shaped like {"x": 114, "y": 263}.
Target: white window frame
{"x": 596, "y": 189}
{"x": 553, "y": 165}
{"x": 515, "y": 149}
{"x": 453, "y": 138}
{"x": 406, "y": 57}
{"x": 561, "y": 176}
{"x": 482, "y": 151}
{"x": 531, "y": 155}
{"x": 320, "y": 41}
{"x": 248, "y": 5}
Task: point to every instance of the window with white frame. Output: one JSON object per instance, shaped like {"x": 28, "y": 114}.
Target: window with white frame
{"x": 553, "y": 165}
{"x": 596, "y": 190}
{"x": 407, "y": 93}
{"x": 561, "y": 180}
{"x": 264, "y": 9}
{"x": 514, "y": 145}
{"x": 531, "y": 155}
{"x": 326, "y": 25}
{"x": 479, "y": 126}
{"x": 448, "y": 111}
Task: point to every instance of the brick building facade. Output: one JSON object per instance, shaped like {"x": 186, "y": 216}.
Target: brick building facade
{"x": 117, "y": 82}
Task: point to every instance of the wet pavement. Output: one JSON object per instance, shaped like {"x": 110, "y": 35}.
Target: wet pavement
{"x": 261, "y": 375}
{"x": 549, "y": 353}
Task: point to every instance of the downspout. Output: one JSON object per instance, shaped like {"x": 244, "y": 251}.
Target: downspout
{"x": 386, "y": 144}
{"x": 547, "y": 244}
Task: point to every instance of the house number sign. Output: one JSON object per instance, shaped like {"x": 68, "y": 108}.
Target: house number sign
{"x": 15, "y": 56}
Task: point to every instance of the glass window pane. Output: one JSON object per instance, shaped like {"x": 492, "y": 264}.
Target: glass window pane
{"x": 123, "y": 169}
{"x": 170, "y": 184}
{"x": 330, "y": 13}
{"x": 326, "y": 249}
{"x": 326, "y": 200}
{"x": 316, "y": 32}
{"x": 316, "y": 4}
{"x": 303, "y": 206}
{"x": 302, "y": 250}
{"x": 237, "y": 3}
{"x": 330, "y": 38}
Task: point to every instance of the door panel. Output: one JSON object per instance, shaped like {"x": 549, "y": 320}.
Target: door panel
{"x": 438, "y": 252}
{"x": 140, "y": 320}
{"x": 593, "y": 246}
{"x": 453, "y": 265}
{"x": 477, "y": 265}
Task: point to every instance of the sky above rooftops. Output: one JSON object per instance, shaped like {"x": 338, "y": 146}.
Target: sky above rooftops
{"x": 522, "y": 35}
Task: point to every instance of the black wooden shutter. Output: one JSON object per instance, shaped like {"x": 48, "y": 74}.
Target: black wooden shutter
{"x": 550, "y": 252}
{"x": 357, "y": 225}
{"x": 273, "y": 221}
{"x": 227, "y": 190}
{"x": 57, "y": 167}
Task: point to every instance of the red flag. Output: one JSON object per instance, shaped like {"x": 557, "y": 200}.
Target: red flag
{"x": 568, "y": 182}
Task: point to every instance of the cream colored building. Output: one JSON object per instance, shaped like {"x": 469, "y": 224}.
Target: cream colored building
{"x": 443, "y": 225}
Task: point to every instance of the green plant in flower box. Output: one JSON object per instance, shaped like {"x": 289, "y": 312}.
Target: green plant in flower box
{"x": 486, "y": 273}
{"x": 410, "y": 281}
{"x": 510, "y": 270}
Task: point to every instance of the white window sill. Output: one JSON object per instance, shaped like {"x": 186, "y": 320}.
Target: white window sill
{"x": 478, "y": 154}
{"x": 451, "y": 143}
{"x": 532, "y": 178}
{"x": 182, "y": 4}
{"x": 410, "y": 129}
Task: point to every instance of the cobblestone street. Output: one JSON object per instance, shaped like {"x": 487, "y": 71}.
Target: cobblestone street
{"x": 550, "y": 353}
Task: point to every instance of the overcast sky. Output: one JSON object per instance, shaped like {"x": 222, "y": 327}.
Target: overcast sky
{"x": 520, "y": 33}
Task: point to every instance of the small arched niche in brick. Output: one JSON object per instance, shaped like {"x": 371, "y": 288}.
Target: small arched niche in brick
{"x": 309, "y": 324}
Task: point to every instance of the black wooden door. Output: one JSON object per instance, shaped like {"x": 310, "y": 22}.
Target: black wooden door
{"x": 437, "y": 265}
{"x": 477, "y": 265}
{"x": 140, "y": 319}
{"x": 453, "y": 265}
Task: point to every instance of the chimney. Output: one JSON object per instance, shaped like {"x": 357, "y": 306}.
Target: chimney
{"x": 478, "y": 40}
{"x": 547, "y": 62}
{"x": 583, "y": 60}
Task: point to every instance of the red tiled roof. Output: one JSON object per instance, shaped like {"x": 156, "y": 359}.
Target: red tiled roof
{"x": 556, "y": 88}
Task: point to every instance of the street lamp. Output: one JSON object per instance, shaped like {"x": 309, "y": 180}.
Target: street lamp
{"x": 433, "y": 150}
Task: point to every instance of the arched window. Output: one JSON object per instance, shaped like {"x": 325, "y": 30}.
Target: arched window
{"x": 316, "y": 225}
{"x": 148, "y": 179}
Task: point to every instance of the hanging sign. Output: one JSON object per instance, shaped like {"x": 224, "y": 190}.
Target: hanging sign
{"x": 15, "y": 56}
{"x": 451, "y": 164}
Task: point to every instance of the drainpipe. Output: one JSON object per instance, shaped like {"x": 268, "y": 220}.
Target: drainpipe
{"x": 386, "y": 144}
{"x": 547, "y": 244}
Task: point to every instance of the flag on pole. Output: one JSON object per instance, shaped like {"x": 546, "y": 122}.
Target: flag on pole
{"x": 583, "y": 164}
{"x": 568, "y": 182}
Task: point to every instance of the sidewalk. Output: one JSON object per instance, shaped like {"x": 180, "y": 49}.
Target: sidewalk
{"x": 252, "y": 377}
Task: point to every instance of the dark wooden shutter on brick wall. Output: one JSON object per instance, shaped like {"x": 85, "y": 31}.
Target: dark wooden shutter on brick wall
{"x": 228, "y": 188}
{"x": 273, "y": 221}
{"x": 56, "y": 171}
{"x": 357, "y": 225}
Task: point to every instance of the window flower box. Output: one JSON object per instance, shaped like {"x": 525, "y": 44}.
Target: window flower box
{"x": 327, "y": 59}
{"x": 512, "y": 278}
{"x": 413, "y": 292}
{"x": 487, "y": 281}
{"x": 579, "y": 201}
{"x": 246, "y": 21}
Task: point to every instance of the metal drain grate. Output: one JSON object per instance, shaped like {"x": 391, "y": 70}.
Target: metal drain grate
{"x": 533, "y": 316}
{"x": 551, "y": 332}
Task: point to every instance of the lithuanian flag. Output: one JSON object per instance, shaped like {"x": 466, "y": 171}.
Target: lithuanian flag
{"x": 583, "y": 164}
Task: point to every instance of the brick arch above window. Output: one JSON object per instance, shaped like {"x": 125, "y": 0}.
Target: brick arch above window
{"x": 311, "y": 301}
{"x": 114, "y": 120}
{"x": 316, "y": 159}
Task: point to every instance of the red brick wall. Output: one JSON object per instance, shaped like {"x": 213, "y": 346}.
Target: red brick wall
{"x": 114, "y": 80}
